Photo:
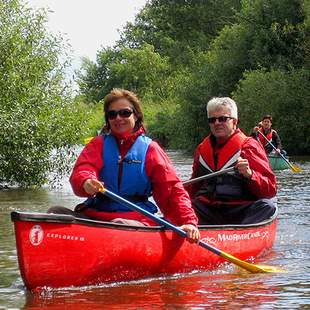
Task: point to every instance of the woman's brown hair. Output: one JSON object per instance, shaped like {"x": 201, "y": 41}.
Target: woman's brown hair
{"x": 118, "y": 93}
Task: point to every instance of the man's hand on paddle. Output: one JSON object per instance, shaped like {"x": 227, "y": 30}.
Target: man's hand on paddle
{"x": 244, "y": 168}
{"x": 192, "y": 231}
{"x": 92, "y": 186}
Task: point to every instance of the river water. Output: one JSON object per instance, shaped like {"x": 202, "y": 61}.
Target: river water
{"x": 225, "y": 288}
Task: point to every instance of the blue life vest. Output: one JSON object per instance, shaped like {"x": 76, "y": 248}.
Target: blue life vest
{"x": 126, "y": 178}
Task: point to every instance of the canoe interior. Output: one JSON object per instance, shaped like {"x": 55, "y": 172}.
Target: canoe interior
{"x": 61, "y": 250}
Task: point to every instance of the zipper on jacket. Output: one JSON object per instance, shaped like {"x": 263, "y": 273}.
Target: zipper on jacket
{"x": 120, "y": 171}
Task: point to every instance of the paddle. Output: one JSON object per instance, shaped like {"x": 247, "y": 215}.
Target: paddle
{"x": 245, "y": 265}
{"x": 87, "y": 140}
{"x": 210, "y": 175}
{"x": 294, "y": 168}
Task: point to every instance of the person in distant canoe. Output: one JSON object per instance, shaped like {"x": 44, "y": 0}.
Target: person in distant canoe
{"x": 243, "y": 196}
{"x": 131, "y": 165}
{"x": 265, "y": 128}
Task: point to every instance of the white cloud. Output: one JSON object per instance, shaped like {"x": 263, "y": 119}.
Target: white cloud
{"x": 91, "y": 24}
{"x": 88, "y": 25}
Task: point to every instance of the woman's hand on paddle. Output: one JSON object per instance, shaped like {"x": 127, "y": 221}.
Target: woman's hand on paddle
{"x": 92, "y": 186}
{"x": 192, "y": 231}
{"x": 244, "y": 168}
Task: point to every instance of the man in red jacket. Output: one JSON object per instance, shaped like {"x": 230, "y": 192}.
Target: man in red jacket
{"x": 242, "y": 197}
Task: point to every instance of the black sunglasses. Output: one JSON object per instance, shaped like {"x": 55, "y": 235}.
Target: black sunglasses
{"x": 221, "y": 119}
{"x": 123, "y": 113}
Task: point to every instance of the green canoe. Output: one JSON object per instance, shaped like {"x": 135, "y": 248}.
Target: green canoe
{"x": 277, "y": 162}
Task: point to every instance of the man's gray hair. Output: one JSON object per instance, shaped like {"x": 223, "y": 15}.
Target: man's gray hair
{"x": 221, "y": 102}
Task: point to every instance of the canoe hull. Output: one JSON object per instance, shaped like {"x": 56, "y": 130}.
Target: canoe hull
{"x": 61, "y": 251}
{"x": 277, "y": 162}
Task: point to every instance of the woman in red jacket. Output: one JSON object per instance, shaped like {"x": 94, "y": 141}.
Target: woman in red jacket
{"x": 132, "y": 166}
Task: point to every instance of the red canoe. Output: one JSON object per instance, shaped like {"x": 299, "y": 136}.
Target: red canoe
{"x": 61, "y": 250}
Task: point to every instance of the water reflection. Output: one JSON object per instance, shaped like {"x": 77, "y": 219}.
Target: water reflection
{"x": 219, "y": 291}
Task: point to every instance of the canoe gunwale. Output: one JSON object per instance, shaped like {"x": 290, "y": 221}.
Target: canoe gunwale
{"x": 276, "y": 156}
{"x": 69, "y": 219}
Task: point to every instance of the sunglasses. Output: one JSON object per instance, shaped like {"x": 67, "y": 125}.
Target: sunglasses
{"x": 221, "y": 119}
{"x": 123, "y": 113}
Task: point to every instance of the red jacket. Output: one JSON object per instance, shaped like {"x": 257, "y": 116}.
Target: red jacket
{"x": 263, "y": 181}
{"x": 168, "y": 190}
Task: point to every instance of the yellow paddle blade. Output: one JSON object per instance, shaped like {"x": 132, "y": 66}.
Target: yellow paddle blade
{"x": 87, "y": 140}
{"x": 248, "y": 266}
{"x": 295, "y": 168}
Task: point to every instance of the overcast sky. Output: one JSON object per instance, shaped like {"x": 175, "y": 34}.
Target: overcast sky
{"x": 89, "y": 24}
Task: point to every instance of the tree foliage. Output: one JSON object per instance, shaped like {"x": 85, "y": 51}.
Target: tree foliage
{"x": 204, "y": 49}
{"x": 37, "y": 117}
{"x": 269, "y": 35}
{"x": 179, "y": 28}
{"x": 277, "y": 32}
{"x": 283, "y": 94}
{"x": 141, "y": 70}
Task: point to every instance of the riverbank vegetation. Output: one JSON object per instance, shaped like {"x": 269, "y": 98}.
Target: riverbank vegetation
{"x": 178, "y": 54}
{"x": 38, "y": 119}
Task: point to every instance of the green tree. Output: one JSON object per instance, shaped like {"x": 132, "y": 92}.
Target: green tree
{"x": 269, "y": 34}
{"x": 209, "y": 46}
{"x": 37, "y": 119}
{"x": 140, "y": 70}
{"x": 277, "y": 32}
{"x": 216, "y": 73}
{"x": 179, "y": 28}
{"x": 95, "y": 79}
{"x": 154, "y": 52}
{"x": 285, "y": 95}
